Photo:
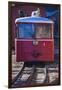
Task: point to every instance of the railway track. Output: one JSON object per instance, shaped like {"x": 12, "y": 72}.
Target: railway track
{"x": 33, "y": 75}
{"x": 23, "y": 77}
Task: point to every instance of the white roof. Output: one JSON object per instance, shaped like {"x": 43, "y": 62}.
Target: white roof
{"x": 33, "y": 20}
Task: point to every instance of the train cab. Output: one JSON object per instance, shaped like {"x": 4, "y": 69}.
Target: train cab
{"x": 34, "y": 39}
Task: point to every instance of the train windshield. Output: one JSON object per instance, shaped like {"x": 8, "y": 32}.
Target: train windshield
{"x": 44, "y": 31}
{"x": 25, "y": 31}
{"x": 34, "y": 31}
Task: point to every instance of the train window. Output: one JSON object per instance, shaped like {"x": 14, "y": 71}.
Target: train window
{"x": 25, "y": 31}
{"x": 34, "y": 31}
{"x": 43, "y": 31}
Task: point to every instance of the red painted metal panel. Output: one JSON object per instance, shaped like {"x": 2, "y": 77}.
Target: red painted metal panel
{"x": 26, "y": 51}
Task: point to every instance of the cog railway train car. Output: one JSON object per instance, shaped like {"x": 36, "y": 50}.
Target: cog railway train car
{"x": 34, "y": 39}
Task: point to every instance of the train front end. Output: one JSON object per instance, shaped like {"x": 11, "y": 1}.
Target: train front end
{"x": 34, "y": 39}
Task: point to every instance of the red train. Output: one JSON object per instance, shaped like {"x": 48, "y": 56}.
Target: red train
{"x": 34, "y": 40}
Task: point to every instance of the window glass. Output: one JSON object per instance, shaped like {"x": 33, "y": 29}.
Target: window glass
{"x": 43, "y": 31}
{"x": 25, "y": 31}
{"x": 34, "y": 31}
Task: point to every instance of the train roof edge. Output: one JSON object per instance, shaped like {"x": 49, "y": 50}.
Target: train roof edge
{"x": 33, "y": 20}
